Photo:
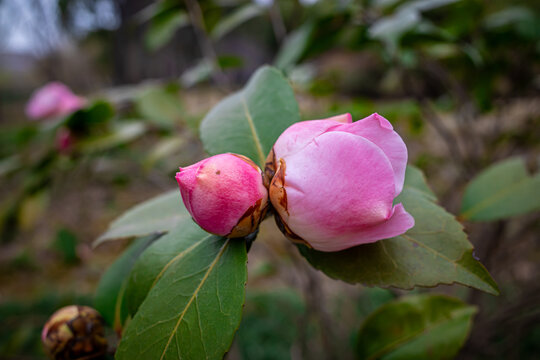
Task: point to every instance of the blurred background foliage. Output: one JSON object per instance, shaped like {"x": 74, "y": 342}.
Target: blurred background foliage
{"x": 459, "y": 79}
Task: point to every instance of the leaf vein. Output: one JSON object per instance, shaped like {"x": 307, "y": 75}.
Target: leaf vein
{"x": 251, "y": 124}
{"x": 495, "y": 197}
{"x": 203, "y": 280}
{"x": 177, "y": 258}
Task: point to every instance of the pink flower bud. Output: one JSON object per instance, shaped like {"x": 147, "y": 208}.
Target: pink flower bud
{"x": 64, "y": 140}
{"x": 53, "y": 99}
{"x": 335, "y": 182}
{"x": 224, "y": 194}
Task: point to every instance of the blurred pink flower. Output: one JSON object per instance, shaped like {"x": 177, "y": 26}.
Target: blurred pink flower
{"x": 224, "y": 194}
{"x": 64, "y": 140}
{"x": 335, "y": 182}
{"x": 52, "y": 100}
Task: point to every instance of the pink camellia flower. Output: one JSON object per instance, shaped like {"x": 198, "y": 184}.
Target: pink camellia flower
{"x": 333, "y": 182}
{"x": 53, "y": 99}
{"x": 224, "y": 194}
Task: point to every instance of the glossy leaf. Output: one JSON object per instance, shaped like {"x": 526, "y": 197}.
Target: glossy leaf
{"x": 270, "y": 324}
{"x": 157, "y": 215}
{"x": 509, "y": 16}
{"x": 422, "y": 5}
{"x": 503, "y": 190}
{"x": 235, "y": 19}
{"x": 164, "y": 149}
{"x": 415, "y": 180}
{"x": 171, "y": 248}
{"x": 389, "y": 29}
{"x": 9, "y": 165}
{"x": 294, "y": 47}
{"x": 120, "y": 134}
{"x": 109, "y": 299}
{"x": 94, "y": 118}
{"x": 416, "y": 327}
{"x": 66, "y": 246}
{"x": 249, "y": 121}
{"x": 160, "y": 107}
{"x": 163, "y": 28}
{"x": 194, "y": 309}
{"x": 201, "y": 71}
{"x": 435, "y": 251}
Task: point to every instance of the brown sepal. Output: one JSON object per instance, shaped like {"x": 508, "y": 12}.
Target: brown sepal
{"x": 278, "y": 196}
{"x": 249, "y": 222}
{"x": 269, "y": 168}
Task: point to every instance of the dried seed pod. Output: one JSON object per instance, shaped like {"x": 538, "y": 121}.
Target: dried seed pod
{"x": 75, "y": 332}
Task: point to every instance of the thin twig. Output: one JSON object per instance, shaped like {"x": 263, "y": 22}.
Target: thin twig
{"x": 433, "y": 118}
{"x": 278, "y": 25}
{"x": 315, "y": 305}
{"x": 205, "y": 43}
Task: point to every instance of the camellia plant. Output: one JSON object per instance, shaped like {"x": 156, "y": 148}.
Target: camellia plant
{"x": 340, "y": 189}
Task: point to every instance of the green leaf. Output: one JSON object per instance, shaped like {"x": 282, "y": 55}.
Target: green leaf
{"x": 194, "y": 309}
{"x": 120, "y": 134}
{"x": 391, "y": 28}
{"x": 163, "y": 28}
{"x": 160, "y": 107}
{"x": 423, "y": 6}
{"x": 508, "y": 16}
{"x": 150, "y": 267}
{"x": 66, "y": 245}
{"x": 201, "y": 71}
{"x": 250, "y": 121}
{"x": 91, "y": 119}
{"x": 435, "y": 251}
{"x": 9, "y": 165}
{"x": 237, "y": 18}
{"x": 503, "y": 190}
{"x": 157, "y": 215}
{"x": 230, "y": 61}
{"x": 416, "y": 327}
{"x": 270, "y": 324}
{"x": 109, "y": 299}
{"x": 294, "y": 47}
{"x": 415, "y": 180}
{"x": 163, "y": 149}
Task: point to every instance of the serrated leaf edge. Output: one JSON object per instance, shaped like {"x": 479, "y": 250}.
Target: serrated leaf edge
{"x": 455, "y": 263}
{"x": 495, "y": 291}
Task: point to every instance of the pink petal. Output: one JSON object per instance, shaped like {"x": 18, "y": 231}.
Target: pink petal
{"x": 219, "y": 190}
{"x": 399, "y": 222}
{"x": 343, "y": 118}
{"x": 338, "y": 184}
{"x": 64, "y": 140}
{"x": 298, "y": 135}
{"x": 71, "y": 103}
{"x": 187, "y": 181}
{"x": 43, "y": 103}
{"x": 379, "y": 131}
{"x": 53, "y": 99}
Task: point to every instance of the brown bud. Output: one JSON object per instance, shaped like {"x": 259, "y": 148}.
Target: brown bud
{"x": 74, "y": 332}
